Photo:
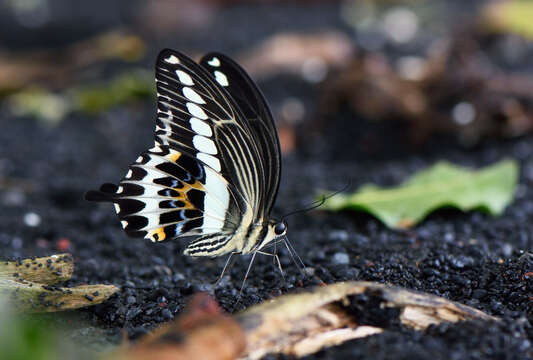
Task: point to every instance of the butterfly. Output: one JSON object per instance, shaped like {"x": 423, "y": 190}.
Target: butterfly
{"x": 213, "y": 174}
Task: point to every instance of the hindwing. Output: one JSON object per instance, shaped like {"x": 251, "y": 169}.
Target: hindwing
{"x": 168, "y": 194}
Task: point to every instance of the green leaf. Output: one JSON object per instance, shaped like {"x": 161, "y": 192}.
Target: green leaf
{"x": 119, "y": 90}
{"x": 513, "y": 16}
{"x": 489, "y": 189}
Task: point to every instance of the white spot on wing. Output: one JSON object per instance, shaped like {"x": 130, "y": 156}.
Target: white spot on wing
{"x": 153, "y": 161}
{"x": 172, "y": 59}
{"x": 153, "y": 221}
{"x": 149, "y": 191}
{"x": 139, "y": 159}
{"x": 124, "y": 224}
{"x": 192, "y": 95}
{"x": 159, "y": 111}
{"x": 151, "y": 204}
{"x": 117, "y": 207}
{"x": 121, "y": 188}
{"x": 196, "y": 111}
{"x": 221, "y": 78}
{"x": 209, "y": 160}
{"x": 203, "y": 144}
{"x": 149, "y": 178}
{"x": 216, "y": 204}
{"x": 214, "y": 62}
{"x": 184, "y": 77}
{"x": 200, "y": 127}
{"x": 129, "y": 174}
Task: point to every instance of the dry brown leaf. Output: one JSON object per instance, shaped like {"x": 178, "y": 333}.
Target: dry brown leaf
{"x": 28, "y": 285}
{"x": 46, "y": 270}
{"x": 202, "y": 332}
{"x": 301, "y": 324}
{"x": 330, "y": 338}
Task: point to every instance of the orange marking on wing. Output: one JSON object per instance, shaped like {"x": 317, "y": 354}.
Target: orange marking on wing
{"x": 157, "y": 234}
{"x": 196, "y": 185}
{"x": 188, "y": 204}
{"x": 174, "y": 156}
{"x": 184, "y": 198}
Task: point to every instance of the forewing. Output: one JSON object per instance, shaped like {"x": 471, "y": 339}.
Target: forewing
{"x": 196, "y": 116}
{"x": 252, "y": 103}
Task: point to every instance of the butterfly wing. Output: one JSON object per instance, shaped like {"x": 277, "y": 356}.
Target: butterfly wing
{"x": 167, "y": 194}
{"x": 203, "y": 176}
{"x": 189, "y": 102}
{"x": 254, "y": 107}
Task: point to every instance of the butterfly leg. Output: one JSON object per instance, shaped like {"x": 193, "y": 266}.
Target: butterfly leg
{"x": 276, "y": 260}
{"x": 226, "y": 266}
{"x": 303, "y": 269}
{"x": 275, "y": 252}
{"x": 245, "y": 278}
{"x": 300, "y": 264}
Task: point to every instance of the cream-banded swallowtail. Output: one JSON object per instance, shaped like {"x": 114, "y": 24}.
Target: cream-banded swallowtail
{"x": 213, "y": 173}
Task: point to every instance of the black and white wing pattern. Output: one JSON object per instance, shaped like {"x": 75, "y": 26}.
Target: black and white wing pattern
{"x": 253, "y": 105}
{"x": 212, "y": 173}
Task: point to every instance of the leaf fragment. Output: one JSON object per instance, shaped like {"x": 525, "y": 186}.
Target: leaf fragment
{"x": 489, "y": 189}
{"x": 510, "y": 16}
{"x": 295, "y": 325}
{"x": 29, "y": 285}
{"x": 301, "y": 324}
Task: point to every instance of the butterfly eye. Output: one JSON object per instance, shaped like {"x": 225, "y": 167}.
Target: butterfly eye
{"x": 280, "y": 228}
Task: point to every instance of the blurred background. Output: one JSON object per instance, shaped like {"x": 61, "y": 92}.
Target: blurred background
{"x": 349, "y": 82}
{"x": 370, "y": 90}
{"x": 393, "y": 75}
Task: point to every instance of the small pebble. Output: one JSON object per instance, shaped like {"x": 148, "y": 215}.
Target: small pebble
{"x": 178, "y": 277}
{"x": 449, "y": 237}
{"x": 341, "y": 259}
{"x": 309, "y": 271}
{"x": 507, "y": 249}
{"x": 461, "y": 262}
{"x": 32, "y": 219}
{"x": 340, "y": 235}
{"x": 129, "y": 283}
{"x": 133, "y": 312}
{"x": 167, "y": 314}
{"x": 63, "y": 244}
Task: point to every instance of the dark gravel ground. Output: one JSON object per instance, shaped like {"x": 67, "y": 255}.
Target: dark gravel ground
{"x": 471, "y": 258}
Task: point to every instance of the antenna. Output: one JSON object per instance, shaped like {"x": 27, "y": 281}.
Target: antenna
{"x": 317, "y": 203}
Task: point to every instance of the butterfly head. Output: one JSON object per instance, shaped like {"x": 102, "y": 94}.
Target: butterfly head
{"x": 280, "y": 227}
{"x": 275, "y": 230}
